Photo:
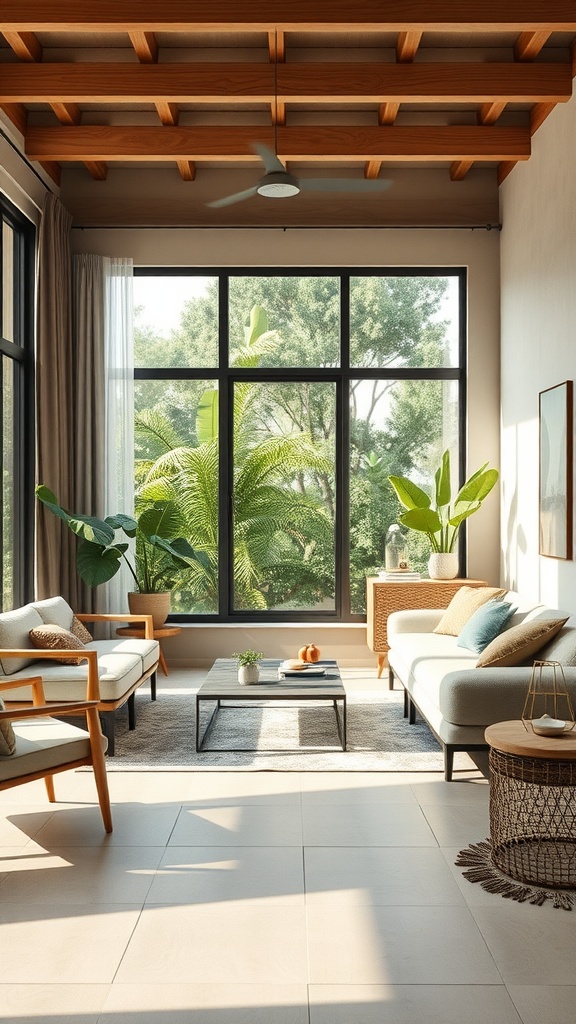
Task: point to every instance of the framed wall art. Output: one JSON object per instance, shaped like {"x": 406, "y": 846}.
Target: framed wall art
{"x": 556, "y": 429}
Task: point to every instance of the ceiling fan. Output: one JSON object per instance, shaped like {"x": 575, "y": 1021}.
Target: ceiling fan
{"x": 278, "y": 183}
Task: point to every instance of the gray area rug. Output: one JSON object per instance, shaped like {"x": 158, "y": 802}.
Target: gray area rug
{"x": 379, "y": 738}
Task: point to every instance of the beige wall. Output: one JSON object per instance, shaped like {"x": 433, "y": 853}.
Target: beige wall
{"x": 538, "y": 297}
{"x": 478, "y": 250}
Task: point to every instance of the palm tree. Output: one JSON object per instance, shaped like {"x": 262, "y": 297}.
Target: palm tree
{"x": 282, "y": 533}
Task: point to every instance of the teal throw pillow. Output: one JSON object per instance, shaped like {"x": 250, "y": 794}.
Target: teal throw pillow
{"x": 485, "y": 624}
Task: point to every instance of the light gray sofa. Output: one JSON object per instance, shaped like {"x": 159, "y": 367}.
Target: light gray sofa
{"x": 442, "y": 683}
{"x": 108, "y": 671}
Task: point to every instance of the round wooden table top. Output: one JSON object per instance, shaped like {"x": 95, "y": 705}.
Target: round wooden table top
{"x": 514, "y": 738}
{"x": 159, "y": 634}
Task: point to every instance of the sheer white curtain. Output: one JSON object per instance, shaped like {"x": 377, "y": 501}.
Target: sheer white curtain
{"x": 119, "y": 414}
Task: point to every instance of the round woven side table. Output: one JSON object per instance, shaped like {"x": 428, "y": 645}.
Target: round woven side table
{"x": 533, "y": 805}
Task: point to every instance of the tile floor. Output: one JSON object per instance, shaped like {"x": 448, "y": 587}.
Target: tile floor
{"x": 269, "y": 898}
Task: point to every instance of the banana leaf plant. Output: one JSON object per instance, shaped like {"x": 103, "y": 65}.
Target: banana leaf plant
{"x": 440, "y": 519}
{"x": 160, "y": 553}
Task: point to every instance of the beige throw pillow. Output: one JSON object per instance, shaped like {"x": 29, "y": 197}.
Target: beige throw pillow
{"x": 55, "y": 638}
{"x": 7, "y": 737}
{"x": 519, "y": 643}
{"x": 465, "y": 602}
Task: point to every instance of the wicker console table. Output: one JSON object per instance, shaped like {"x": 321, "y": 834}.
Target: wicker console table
{"x": 383, "y": 598}
{"x": 533, "y": 805}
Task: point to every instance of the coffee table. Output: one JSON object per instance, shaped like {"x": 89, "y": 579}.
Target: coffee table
{"x": 221, "y": 686}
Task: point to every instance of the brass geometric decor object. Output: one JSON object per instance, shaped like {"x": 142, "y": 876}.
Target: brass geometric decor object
{"x": 548, "y": 696}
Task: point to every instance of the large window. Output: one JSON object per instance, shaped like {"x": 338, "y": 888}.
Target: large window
{"x": 272, "y": 406}
{"x": 16, "y": 405}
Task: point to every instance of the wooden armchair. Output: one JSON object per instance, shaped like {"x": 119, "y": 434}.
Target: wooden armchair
{"x": 46, "y": 745}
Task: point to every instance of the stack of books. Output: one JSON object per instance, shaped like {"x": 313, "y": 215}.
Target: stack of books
{"x": 399, "y": 575}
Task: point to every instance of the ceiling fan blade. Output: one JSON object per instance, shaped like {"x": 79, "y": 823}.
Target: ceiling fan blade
{"x": 236, "y": 198}
{"x": 268, "y": 157}
{"x": 343, "y": 184}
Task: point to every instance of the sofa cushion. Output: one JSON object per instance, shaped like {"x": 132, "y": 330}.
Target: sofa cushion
{"x": 562, "y": 648}
{"x": 45, "y": 743}
{"x": 519, "y": 643}
{"x": 7, "y": 737}
{"x": 485, "y": 624}
{"x": 55, "y": 610}
{"x": 80, "y": 631}
{"x": 146, "y": 650}
{"x": 463, "y": 605}
{"x": 55, "y": 638}
{"x": 14, "y": 629}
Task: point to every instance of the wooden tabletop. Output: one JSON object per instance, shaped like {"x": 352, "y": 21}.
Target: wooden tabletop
{"x": 513, "y": 738}
{"x": 159, "y": 634}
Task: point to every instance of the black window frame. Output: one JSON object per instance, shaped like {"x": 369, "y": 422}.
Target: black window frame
{"x": 225, "y": 376}
{"x": 20, "y": 351}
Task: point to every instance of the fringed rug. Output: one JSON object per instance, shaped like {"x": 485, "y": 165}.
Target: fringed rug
{"x": 478, "y": 859}
{"x": 379, "y": 738}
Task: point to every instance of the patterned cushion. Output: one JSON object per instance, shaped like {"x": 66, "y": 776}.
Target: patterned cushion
{"x": 519, "y": 643}
{"x": 7, "y": 737}
{"x": 462, "y": 607}
{"x": 79, "y": 630}
{"x": 54, "y": 638}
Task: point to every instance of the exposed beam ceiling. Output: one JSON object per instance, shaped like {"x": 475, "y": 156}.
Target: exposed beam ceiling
{"x": 331, "y": 82}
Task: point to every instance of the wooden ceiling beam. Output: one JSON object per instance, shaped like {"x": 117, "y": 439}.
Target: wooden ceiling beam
{"x": 317, "y": 143}
{"x": 16, "y": 113}
{"x": 53, "y": 170}
{"x": 98, "y": 169}
{"x": 538, "y": 115}
{"x": 459, "y": 169}
{"x": 529, "y": 44}
{"x": 187, "y": 170}
{"x": 277, "y": 46}
{"x": 490, "y": 112}
{"x": 334, "y": 15}
{"x": 26, "y": 46}
{"x": 504, "y": 170}
{"x": 167, "y": 112}
{"x": 238, "y": 83}
{"x": 67, "y": 113}
{"x": 372, "y": 168}
{"x": 388, "y": 112}
{"x": 407, "y": 46}
{"x": 145, "y": 46}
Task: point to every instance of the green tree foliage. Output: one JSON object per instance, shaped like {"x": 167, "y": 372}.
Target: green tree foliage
{"x": 397, "y": 427}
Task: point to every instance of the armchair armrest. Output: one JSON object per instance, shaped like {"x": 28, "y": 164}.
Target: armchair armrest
{"x": 122, "y": 617}
{"x": 417, "y": 620}
{"x": 92, "y": 685}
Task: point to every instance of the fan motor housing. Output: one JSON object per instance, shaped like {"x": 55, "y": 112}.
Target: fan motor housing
{"x": 278, "y": 185}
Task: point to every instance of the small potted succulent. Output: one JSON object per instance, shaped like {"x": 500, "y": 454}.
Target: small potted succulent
{"x": 248, "y": 669}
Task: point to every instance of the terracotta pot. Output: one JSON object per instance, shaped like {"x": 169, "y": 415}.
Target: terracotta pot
{"x": 443, "y": 565}
{"x": 156, "y": 605}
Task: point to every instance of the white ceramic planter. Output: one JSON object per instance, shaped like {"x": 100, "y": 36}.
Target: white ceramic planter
{"x": 443, "y": 565}
{"x": 248, "y": 674}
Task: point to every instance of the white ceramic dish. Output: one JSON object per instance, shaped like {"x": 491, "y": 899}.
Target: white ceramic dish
{"x": 547, "y": 726}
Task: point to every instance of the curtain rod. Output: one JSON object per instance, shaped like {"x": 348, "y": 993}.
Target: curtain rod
{"x": 294, "y": 227}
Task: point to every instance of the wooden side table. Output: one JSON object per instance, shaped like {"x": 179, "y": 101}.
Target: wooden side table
{"x": 533, "y": 805}
{"x": 159, "y": 634}
{"x": 384, "y": 597}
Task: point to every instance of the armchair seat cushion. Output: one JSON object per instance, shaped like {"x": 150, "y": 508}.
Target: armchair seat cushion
{"x": 44, "y": 743}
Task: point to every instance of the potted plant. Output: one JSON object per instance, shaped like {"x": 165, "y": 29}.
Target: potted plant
{"x": 440, "y": 518}
{"x": 248, "y": 670}
{"x": 160, "y": 553}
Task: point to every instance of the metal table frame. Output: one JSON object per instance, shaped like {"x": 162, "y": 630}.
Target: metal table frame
{"x": 221, "y": 687}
